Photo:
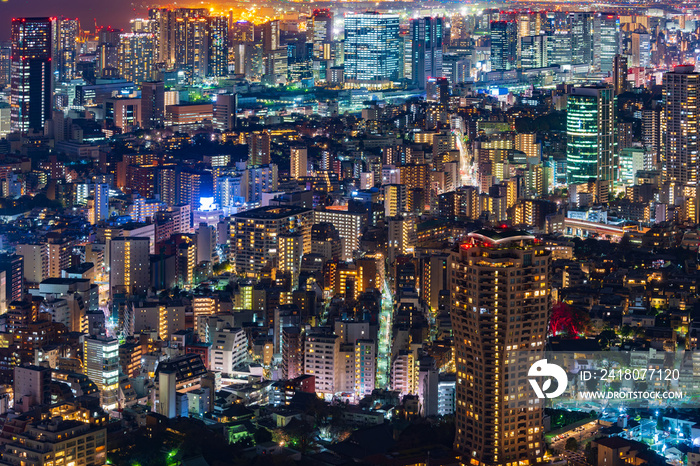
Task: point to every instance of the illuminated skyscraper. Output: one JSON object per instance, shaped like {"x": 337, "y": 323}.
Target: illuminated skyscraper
{"x": 426, "y": 49}
{"x": 681, "y": 118}
{"x": 606, "y": 41}
{"x": 217, "y": 43}
{"x": 31, "y": 78}
{"x": 641, "y": 50}
{"x": 68, "y": 32}
{"x": 500, "y": 301}
{"x": 581, "y": 27}
{"x": 590, "y": 149}
{"x": 137, "y": 56}
{"x": 504, "y": 50}
{"x": 372, "y": 49}
{"x": 319, "y": 30}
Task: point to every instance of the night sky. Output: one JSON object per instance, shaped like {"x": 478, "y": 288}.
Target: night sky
{"x": 108, "y": 12}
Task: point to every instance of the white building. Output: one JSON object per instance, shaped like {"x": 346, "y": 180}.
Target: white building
{"x": 229, "y": 348}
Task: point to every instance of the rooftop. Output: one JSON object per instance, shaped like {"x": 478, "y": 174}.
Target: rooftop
{"x": 272, "y": 212}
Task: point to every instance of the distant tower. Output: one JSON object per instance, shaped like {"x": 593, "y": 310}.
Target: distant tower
{"x": 31, "y": 79}
{"x": 152, "y": 104}
{"x": 681, "y": 119}
{"x": 426, "y": 49}
{"x": 504, "y": 50}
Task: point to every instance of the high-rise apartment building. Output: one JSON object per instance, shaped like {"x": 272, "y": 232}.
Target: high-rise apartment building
{"x": 349, "y": 225}
{"x": 372, "y": 50}
{"x": 590, "y": 120}
{"x": 255, "y": 235}
{"x": 298, "y": 162}
{"x": 499, "y": 308}
{"x": 31, "y": 81}
{"x": 68, "y": 32}
{"x": 504, "y": 45}
{"x": 217, "y": 45}
{"x": 129, "y": 265}
{"x": 426, "y": 49}
{"x": 681, "y": 120}
{"x": 136, "y": 56}
{"x": 321, "y": 359}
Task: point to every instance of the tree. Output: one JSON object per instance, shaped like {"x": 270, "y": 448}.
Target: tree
{"x": 571, "y": 444}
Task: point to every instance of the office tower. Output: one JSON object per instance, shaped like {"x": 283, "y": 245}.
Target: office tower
{"x": 136, "y": 56}
{"x": 31, "y": 81}
{"x": 225, "y": 107}
{"x": 129, "y": 265}
{"x": 641, "y": 50}
{"x": 533, "y": 52}
{"x": 619, "y": 74}
{"x": 255, "y": 235}
{"x": 500, "y": 303}
{"x": 297, "y": 162}
{"x": 681, "y": 119}
{"x": 271, "y": 36}
{"x": 319, "y": 33}
{"x": 348, "y": 224}
{"x": 426, "y": 49}
{"x": 12, "y": 276}
{"x": 581, "y": 25}
{"x": 559, "y": 48}
{"x": 152, "y": 104}
{"x": 606, "y": 41}
{"x": 590, "y": 149}
{"x": 101, "y": 365}
{"x": 218, "y": 46}
{"x": 372, "y": 50}
{"x": 100, "y": 203}
{"x": 258, "y": 148}
{"x": 5, "y": 61}
{"x": 68, "y": 32}
{"x": 504, "y": 45}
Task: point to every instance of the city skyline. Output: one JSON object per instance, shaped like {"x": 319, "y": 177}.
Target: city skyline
{"x": 401, "y": 235}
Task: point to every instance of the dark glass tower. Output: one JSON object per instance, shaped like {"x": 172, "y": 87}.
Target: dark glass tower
{"x": 31, "y": 78}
